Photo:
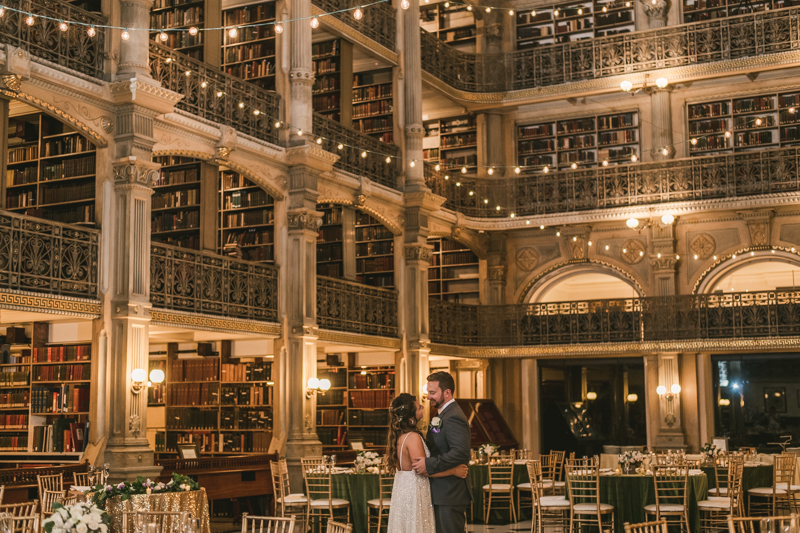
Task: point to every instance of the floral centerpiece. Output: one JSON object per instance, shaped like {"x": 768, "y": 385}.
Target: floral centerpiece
{"x": 126, "y": 489}
{"x": 485, "y": 451}
{"x": 367, "y": 462}
{"x": 710, "y": 453}
{"x": 630, "y": 461}
{"x": 79, "y": 518}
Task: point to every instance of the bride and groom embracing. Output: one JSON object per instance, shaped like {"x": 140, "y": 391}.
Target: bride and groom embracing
{"x": 431, "y": 491}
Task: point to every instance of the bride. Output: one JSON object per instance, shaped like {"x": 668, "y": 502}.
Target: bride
{"x": 411, "y": 510}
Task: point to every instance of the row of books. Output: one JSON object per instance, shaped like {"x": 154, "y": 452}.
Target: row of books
{"x": 331, "y": 216}
{"x": 178, "y": 17}
{"x": 372, "y": 108}
{"x": 338, "y": 377}
{"x": 72, "y": 144}
{"x": 332, "y": 436}
{"x": 379, "y": 417}
{"x": 366, "y": 249}
{"x": 250, "y": 396}
{"x": 183, "y": 198}
{"x": 624, "y": 120}
{"x": 329, "y": 253}
{"x": 450, "y": 246}
{"x": 372, "y": 399}
{"x": 250, "y": 237}
{"x": 326, "y": 66}
{"x": 238, "y": 199}
{"x": 63, "y": 399}
{"x": 234, "y": 180}
{"x": 576, "y": 142}
{"x": 248, "y": 218}
{"x": 191, "y": 242}
{"x": 790, "y": 134}
{"x": 716, "y": 142}
{"x": 370, "y": 125}
{"x": 253, "y": 69}
{"x": 331, "y": 270}
{"x": 382, "y": 279}
{"x": 9, "y": 399}
{"x": 326, "y": 102}
{"x": 243, "y": 372}
{"x": 161, "y": 4}
{"x": 193, "y": 370}
{"x": 330, "y": 417}
{"x": 610, "y": 19}
{"x": 177, "y": 177}
{"x": 14, "y": 421}
{"x": 241, "y": 418}
{"x": 373, "y": 233}
{"x": 329, "y": 234}
{"x": 16, "y": 443}
{"x": 326, "y": 48}
{"x": 363, "y": 94}
{"x": 192, "y": 418}
{"x": 457, "y": 258}
{"x": 74, "y": 372}
{"x": 538, "y": 145}
{"x": 70, "y": 215}
{"x": 249, "y": 53}
{"x": 740, "y": 123}
{"x": 21, "y": 176}
{"x": 617, "y": 137}
{"x": 754, "y": 138}
{"x": 173, "y": 221}
{"x": 13, "y": 379}
{"x": 64, "y": 435}
{"x": 23, "y": 153}
{"x": 188, "y": 394}
{"x": 575, "y": 126}
{"x": 332, "y": 397}
{"x": 216, "y": 442}
{"x": 568, "y": 26}
{"x": 463, "y": 161}
{"x": 616, "y": 154}
{"x": 249, "y": 14}
{"x": 375, "y": 264}
{"x": 713, "y": 109}
{"x": 325, "y": 84}
{"x": 462, "y": 139}
{"x": 69, "y": 168}
{"x": 535, "y": 130}
{"x": 372, "y": 380}
{"x": 247, "y": 35}
{"x": 67, "y": 193}
{"x": 708, "y": 126}
{"x": 761, "y": 103}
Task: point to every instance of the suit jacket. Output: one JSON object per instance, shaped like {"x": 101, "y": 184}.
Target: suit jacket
{"x": 449, "y": 448}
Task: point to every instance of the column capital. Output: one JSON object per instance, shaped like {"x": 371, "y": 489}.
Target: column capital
{"x": 144, "y": 93}
{"x": 664, "y": 264}
{"x": 418, "y": 253}
{"x": 134, "y": 171}
{"x": 656, "y": 11}
{"x": 304, "y": 221}
{"x": 497, "y": 274}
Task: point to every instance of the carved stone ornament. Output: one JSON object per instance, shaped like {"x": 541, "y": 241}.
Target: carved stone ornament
{"x": 759, "y": 233}
{"x": 633, "y": 251}
{"x": 134, "y": 173}
{"x": 664, "y": 262}
{"x": 304, "y": 221}
{"x": 135, "y": 425}
{"x": 577, "y": 248}
{"x": 656, "y": 10}
{"x": 361, "y": 200}
{"x": 527, "y": 259}
{"x": 703, "y": 246}
{"x": 419, "y": 252}
{"x": 497, "y": 273}
{"x": 12, "y": 82}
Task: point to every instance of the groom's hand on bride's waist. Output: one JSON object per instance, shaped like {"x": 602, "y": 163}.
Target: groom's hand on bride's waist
{"x": 418, "y": 464}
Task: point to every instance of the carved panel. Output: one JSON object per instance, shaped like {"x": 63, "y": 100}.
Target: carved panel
{"x": 632, "y": 251}
{"x": 703, "y": 246}
{"x": 527, "y": 259}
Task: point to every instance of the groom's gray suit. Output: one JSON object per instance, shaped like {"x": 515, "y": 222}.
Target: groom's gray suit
{"x": 449, "y": 448}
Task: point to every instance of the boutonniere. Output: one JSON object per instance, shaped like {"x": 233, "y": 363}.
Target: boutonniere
{"x": 436, "y": 424}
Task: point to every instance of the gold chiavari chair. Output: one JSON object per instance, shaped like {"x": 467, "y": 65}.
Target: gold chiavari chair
{"x": 500, "y": 490}
{"x": 338, "y": 527}
{"x": 286, "y": 503}
{"x": 659, "y": 526}
{"x": 722, "y": 465}
{"x": 267, "y": 524}
{"x": 20, "y": 510}
{"x": 321, "y": 503}
{"x": 583, "y": 484}
{"x": 48, "y": 498}
{"x": 751, "y": 524}
{"x": 672, "y": 488}
{"x": 378, "y": 509}
{"x": 549, "y": 511}
{"x": 25, "y": 524}
{"x": 557, "y": 458}
{"x": 82, "y": 479}
{"x": 778, "y": 497}
{"x": 166, "y": 521}
{"x": 715, "y": 511}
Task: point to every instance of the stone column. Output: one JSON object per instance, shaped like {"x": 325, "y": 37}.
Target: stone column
{"x": 663, "y": 258}
{"x": 670, "y": 432}
{"x": 661, "y": 123}
{"x": 705, "y": 397}
{"x": 299, "y": 276}
{"x": 3, "y": 150}
{"x": 134, "y": 55}
{"x": 531, "y": 425}
{"x": 491, "y": 136}
{"x": 412, "y": 92}
{"x": 657, "y": 12}
{"x": 301, "y": 76}
{"x": 496, "y": 265}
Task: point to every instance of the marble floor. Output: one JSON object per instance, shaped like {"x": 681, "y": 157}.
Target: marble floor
{"x": 519, "y": 527}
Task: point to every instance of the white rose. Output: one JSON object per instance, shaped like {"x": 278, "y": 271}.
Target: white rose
{"x": 56, "y": 519}
{"x": 81, "y": 528}
{"x": 57, "y": 530}
{"x": 103, "y": 528}
{"x": 92, "y": 520}
{"x": 64, "y": 513}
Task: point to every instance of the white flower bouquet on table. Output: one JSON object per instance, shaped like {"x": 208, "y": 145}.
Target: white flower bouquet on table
{"x": 367, "y": 462}
{"x": 489, "y": 450}
{"x": 79, "y": 518}
{"x": 630, "y": 461}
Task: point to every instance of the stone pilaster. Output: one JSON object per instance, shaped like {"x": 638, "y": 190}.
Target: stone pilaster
{"x": 496, "y": 269}
{"x": 663, "y": 258}
{"x": 492, "y": 138}
{"x": 301, "y": 75}
{"x": 661, "y": 125}
{"x": 657, "y": 12}
{"x": 670, "y": 433}
{"x": 531, "y": 425}
{"x": 134, "y": 55}
{"x": 412, "y": 91}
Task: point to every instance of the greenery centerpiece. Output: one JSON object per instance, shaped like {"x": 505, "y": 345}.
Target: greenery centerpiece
{"x": 710, "y": 453}
{"x": 178, "y": 483}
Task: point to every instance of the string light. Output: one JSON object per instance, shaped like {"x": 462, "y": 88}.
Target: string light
{"x": 315, "y": 22}
{"x": 405, "y": 4}
{"x": 278, "y": 28}
{"x": 29, "y": 20}
{"x": 388, "y": 159}
{"x": 463, "y": 170}
{"x": 63, "y": 26}
{"x": 665, "y": 151}
{"x": 233, "y": 32}
{"x": 411, "y": 164}
{"x": 491, "y": 171}
{"x": 437, "y": 167}
{"x": 124, "y": 35}
{"x": 488, "y": 9}
{"x": 469, "y": 8}
{"x": 2, "y": 10}
{"x": 340, "y": 146}
{"x": 364, "y": 156}
{"x": 358, "y": 14}
{"x": 517, "y": 170}
{"x": 634, "y": 158}
{"x": 193, "y": 30}
{"x": 299, "y": 133}
{"x": 319, "y": 140}
{"x": 220, "y": 93}
{"x": 163, "y": 36}
{"x": 511, "y": 12}
{"x": 574, "y": 166}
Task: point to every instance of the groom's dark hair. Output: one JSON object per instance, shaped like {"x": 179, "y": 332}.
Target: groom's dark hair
{"x": 446, "y": 381}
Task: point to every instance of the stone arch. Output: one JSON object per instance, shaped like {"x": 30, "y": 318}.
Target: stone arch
{"x": 104, "y": 123}
{"x": 544, "y": 281}
{"x": 742, "y": 259}
{"x": 395, "y": 227}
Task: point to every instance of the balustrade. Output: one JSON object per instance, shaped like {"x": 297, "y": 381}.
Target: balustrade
{"x": 378, "y": 22}
{"x": 356, "y": 308}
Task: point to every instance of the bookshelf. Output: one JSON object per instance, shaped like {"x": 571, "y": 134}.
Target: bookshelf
{"x": 744, "y": 124}
{"x": 180, "y": 15}
{"x": 453, "y": 24}
{"x": 176, "y": 202}
{"x": 45, "y": 393}
{"x": 222, "y": 404}
{"x": 247, "y": 219}
{"x": 333, "y": 70}
{"x": 583, "y": 142}
{"x": 453, "y": 275}
{"x": 576, "y": 21}
{"x": 374, "y": 252}
{"x": 357, "y": 405}
{"x": 250, "y": 55}
{"x": 373, "y": 104}
{"x": 330, "y": 242}
{"x": 452, "y": 142}
{"x": 702, "y": 10}
{"x": 50, "y": 171}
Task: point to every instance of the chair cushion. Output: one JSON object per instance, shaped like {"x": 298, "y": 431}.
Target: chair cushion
{"x": 792, "y": 487}
{"x": 497, "y": 487}
{"x": 554, "y": 501}
{"x": 560, "y": 484}
{"x": 335, "y": 502}
{"x": 667, "y": 508}
{"x": 765, "y": 491}
{"x": 377, "y": 503}
{"x": 294, "y": 498}
{"x": 721, "y": 503}
{"x": 524, "y": 486}
{"x": 717, "y": 491}
{"x": 591, "y": 507}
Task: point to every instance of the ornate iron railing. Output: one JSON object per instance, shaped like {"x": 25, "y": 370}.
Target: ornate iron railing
{"x": 379, "y": 22}
{"x": 711, "y": 316}
{"x": 42, "y": 256}
{"x": 687, "y": 44}
{"x": 697, "y": 178}
{"x": 355, "y": 308}
{"x": 360, "y": 154}
{"x": 28, "y": 476}
{"x": 73, "y": 49}
{"x": 213, "y": 95}
{"x": 203, "y": 282}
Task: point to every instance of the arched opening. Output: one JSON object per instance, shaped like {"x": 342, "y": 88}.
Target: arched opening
{"x": 762, "y": 271}
{"x": 582, "y": 282}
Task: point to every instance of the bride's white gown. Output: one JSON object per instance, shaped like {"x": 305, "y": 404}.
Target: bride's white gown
{"x": 411, "y": 510}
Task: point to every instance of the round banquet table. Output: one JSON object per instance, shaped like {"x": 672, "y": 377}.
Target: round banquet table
{"x": 195, "y": 502}
{"x": 358, "y": 489}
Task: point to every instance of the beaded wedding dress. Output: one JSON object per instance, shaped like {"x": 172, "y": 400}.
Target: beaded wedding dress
{"x": 411, "y": 510}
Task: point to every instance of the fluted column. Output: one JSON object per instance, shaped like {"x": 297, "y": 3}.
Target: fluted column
{"x": 670, "y": 433}
{"x": 134, "y": 53}
{"x": 301, "y": 75}
{"x": 661, "y": 120}
{"x": 412, "y": 78}
{"x": 663, "y": 259}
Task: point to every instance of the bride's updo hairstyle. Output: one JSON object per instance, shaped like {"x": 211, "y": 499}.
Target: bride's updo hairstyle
{"x": 402, "y": 412}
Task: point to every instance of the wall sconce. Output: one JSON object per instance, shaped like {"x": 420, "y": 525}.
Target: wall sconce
{"x": 724, "y": 402}
{"x": 591, "y": 395}
{"x": 140, "y": 382}
{"x": 633, "y": 397}
{"x": 425, "y": 392}
{"x": 317, "y": 385}
{"x": 661, "y": 390}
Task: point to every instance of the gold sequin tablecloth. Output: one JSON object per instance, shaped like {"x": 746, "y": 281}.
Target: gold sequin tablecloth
{"x": 195, "y": 502}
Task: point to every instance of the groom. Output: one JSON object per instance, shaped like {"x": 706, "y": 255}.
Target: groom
{"x": 449, "y": 441}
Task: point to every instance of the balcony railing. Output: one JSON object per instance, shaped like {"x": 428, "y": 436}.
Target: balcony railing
{"x": 73, "y": 49}
{"x": 379, "y": 22}
{"x": 356, "y": 308}
{"x": 213, "y": 95}
{"x": 713, "y": 316}
{"x": 360, "y": 154}
{"x": 698, "y": 178}
{"x": 203, "y": 282}
{"x": 701, "y": 42}
{"x": 41, "y": 256}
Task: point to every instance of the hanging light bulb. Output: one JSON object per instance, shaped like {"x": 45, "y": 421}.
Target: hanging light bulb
{"x": 605, "y": 9}
{"x": 693, "y": 141}
{"x": 233, "y": 32}
{"x": 665, "y": 151}
{"x": 299, "y": 133}
{"x": 555, "y": 12}
{"x": 491, "y": 171}
{"x": 340, "y": 146}
{"x": 189, "y": 73}
{"x": 727, "y": 134}
{"x": 29, "y": 20}
{"x": 204, "y": 84}
{"x": 437, "y": 167}
{"x": 758, "y": 122}
{"x": 277, "y": 124}
{"x": 319, "y": 140}
{"x": 463, "y": 170}
{"x": 574, "y": 166}
{"x": 626, "y": 86}
{"x": 193, "y": 30}
{"x": 580, "y": 11}
{"x": 219, "y": 95}
{"x": 533, "y": 13}
{"x": 546, "y": 170}
{"x": 241, "y": 105}
{"x": 469, "y": 8}
{"x": 412, "y": 164}
{"x": 511, "y": 12}
{"x": 315, "y": 22}
{"x": 256, "y": 112}
{"x": 2, "y": 10}
{"x": 388, "y": 159}
{"x": 488, "y": 9}
{"x": 405, "y": 4}
{"x": 358, "y": 14}
{"x": 124, "y": 35}
{"x": 447, "y": 4}
{"x": 634, "y": 158}
{"x": 163, "y": 36}
{"x": 278, "y": 28}
{"x": 63, "y": 26}
{"x": 363, "y": 155}
{"x": 605, "y": 162}
{"x": 517, "y": 170}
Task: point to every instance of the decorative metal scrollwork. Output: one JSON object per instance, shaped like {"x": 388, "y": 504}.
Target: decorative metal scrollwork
{"x": 356, "y": 308}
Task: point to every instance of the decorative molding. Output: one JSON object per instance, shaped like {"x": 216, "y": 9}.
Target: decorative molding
{"x": 721, "y": 259}
{"x": 38, "y": 302}
{"x": 53, "y": 110}
{"x": 527, "y": 258}
{"x": 418, "y": 252}
{"x": 303, "y": 221}
{"x": 632, "y": 251}
{"x": 359, "y": 340}
{"x": 497, "y": 273}
{"x": 178, "y": 319}
{"x": 132, "y": 171}
{"x": 526, "y": 289}
{"x": 703, "y": 246}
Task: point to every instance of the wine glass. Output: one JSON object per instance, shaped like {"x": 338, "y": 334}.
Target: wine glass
{"x": 140, "y": 521}
{"x": 6, "y": 523}
{"x": 333, "y": 462}
{"x": 767, "y": 525}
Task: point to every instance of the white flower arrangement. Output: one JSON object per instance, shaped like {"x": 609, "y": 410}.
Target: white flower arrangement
{"x": 79, "y": 518}
{"x": 490, "y": 450}
{"x": 631, "y": 458}
{"x": 368, "y": 459}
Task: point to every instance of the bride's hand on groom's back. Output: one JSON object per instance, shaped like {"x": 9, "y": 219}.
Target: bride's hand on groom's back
{"x": 461, "y": 471}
